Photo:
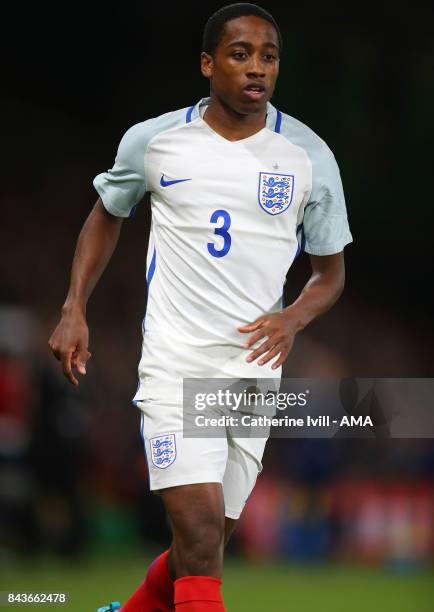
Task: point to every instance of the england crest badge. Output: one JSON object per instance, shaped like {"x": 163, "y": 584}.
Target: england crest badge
{"x": 163, "y": 450}
{"x": 275, "y": 192}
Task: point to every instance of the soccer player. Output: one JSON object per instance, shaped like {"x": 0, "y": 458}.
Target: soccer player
{"x": 236, "y": 188}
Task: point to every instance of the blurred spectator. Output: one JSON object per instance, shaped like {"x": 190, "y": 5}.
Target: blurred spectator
{"x": 43, "y": 449}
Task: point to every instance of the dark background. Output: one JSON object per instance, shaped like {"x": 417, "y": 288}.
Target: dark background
{"x": 75, "y": 78}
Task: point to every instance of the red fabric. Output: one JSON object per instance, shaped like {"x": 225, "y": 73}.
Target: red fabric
{"x": 155, "y": 594}
{"x": 198, "y": 594}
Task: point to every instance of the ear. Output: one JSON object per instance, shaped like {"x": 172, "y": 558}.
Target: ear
{"x": 206, "y": 64}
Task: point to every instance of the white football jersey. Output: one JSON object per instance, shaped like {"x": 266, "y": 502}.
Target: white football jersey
{"x": 228, "y": 220}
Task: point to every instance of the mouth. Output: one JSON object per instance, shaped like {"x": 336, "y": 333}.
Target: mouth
{"x": 254, "y": 91}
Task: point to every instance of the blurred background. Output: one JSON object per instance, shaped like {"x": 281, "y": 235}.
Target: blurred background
{"x": 341, "y": 523}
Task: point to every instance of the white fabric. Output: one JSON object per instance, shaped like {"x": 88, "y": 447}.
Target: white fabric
{"x": 202, "y": 285}
{"x": 233, "y": 462}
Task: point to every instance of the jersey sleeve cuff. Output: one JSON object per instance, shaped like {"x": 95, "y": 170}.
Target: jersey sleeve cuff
{"x": 108, "y": 204}
{"x": 328, "y": 249}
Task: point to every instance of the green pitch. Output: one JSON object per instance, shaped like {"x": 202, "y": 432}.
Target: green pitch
{"x": 247, "y": 587}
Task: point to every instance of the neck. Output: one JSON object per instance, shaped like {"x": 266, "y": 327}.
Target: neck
{"x": 231, "y": 124}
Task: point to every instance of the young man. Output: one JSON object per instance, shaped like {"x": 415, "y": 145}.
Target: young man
{"x": 234, "y": 185}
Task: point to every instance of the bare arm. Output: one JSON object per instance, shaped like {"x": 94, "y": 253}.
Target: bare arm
{"x": 321, "y": 291}
{"x": 318, "y": 295}
{"x": 96, "y": 243}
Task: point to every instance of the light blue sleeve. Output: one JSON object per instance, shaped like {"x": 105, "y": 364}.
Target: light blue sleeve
{"x": 325, "y": 223}
{"x": 122, "y": 187}
{"x": 325, "y": 229}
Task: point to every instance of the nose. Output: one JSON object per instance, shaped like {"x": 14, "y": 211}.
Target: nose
{"x": 256, "y": 66}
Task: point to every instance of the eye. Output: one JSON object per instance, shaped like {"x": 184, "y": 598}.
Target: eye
{"x": 239, "y": 55}
{"x": 269, "y": 57}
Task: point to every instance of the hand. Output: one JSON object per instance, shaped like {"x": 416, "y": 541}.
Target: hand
{"x": 280, "y": 332}
{"x": 69, "y": 343}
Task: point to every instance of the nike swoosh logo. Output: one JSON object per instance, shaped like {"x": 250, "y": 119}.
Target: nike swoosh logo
{"x": 164, "y": 183}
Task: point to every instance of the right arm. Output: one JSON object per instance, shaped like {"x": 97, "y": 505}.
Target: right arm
{"x": 96, "y": 243}
{"x": 121, "y": 188}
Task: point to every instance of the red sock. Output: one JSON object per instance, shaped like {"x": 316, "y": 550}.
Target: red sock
{"x": 155, "y": 594}
{"x": 198, "y": 594}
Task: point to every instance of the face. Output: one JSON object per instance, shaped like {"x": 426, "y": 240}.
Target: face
{"x": 245, "y": 64}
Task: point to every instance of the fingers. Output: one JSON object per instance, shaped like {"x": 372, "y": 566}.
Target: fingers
{"x": 272, "y": 353}
{"x": 283, "y": 355}
{"x": 262, "y": 333}
{"x": 251, "y": 326}
{"x": 265, "y": 346}
{"x": 81, "y": 359}
{"x": 70, "y": 359}
{"x": 279, "y": 338}
{"x": 77, "y": 359}
{"x": 66, "y": 361}
{"x": 277, "y": 343}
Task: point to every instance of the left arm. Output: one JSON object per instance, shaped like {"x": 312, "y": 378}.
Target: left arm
{"x": 318, "y": 295}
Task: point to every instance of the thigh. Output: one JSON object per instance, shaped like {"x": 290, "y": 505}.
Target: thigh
{"x": 193, "y": 507}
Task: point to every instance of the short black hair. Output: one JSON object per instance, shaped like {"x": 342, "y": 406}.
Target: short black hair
{"x": 215, "y": 25}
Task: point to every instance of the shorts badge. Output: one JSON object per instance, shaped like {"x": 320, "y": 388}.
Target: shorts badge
{"x": 275, "y": 192}
{"x": 163, "y": 450}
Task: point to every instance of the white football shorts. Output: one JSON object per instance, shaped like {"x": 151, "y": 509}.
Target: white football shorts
{"x": 175, "y": 460}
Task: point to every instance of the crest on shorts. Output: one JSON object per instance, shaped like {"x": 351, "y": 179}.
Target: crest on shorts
{"x": 163, "y": 450}
{"x": 275, "y": 192}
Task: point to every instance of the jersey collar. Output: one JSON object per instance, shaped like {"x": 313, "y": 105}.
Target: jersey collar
{"x": 270, "y": 122}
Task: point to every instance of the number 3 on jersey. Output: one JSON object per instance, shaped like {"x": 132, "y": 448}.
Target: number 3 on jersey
{"x": 221, "y": 231}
